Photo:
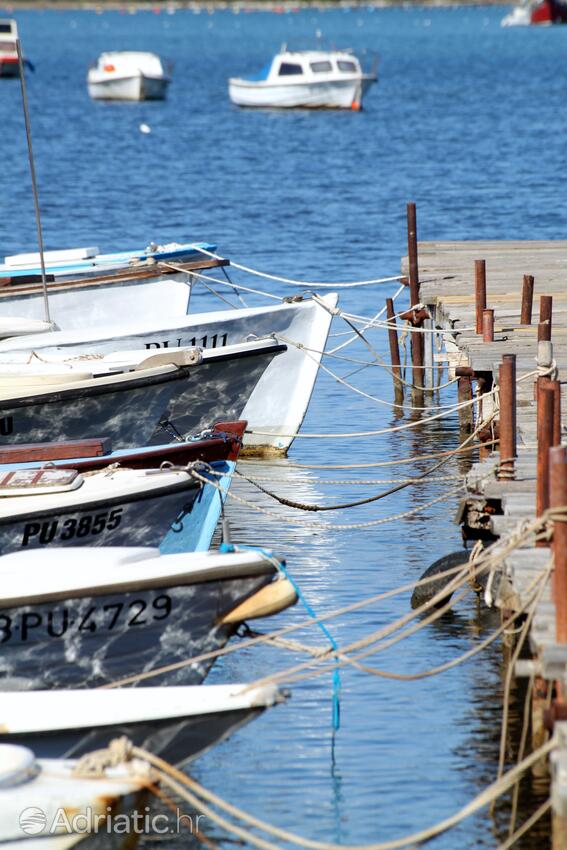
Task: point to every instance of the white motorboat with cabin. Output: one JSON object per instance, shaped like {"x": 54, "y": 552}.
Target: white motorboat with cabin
{"x": 128, "y": 75}
{"x": 9, "y": 64}
{"x": 308, "y": 78}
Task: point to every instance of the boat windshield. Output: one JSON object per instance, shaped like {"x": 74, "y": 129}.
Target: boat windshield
{"x": 324, "y": 67}
{"x": 263, "y": 74}
{"x": 6, "y": 27}
{"x": 346, "y": 66}
{"x": 288, "y": 69}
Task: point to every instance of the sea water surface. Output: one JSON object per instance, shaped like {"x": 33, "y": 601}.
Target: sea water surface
{"x": 469, "y": 121}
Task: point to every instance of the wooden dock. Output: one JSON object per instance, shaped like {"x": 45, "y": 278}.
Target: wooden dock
{"x": 453, "y": 286}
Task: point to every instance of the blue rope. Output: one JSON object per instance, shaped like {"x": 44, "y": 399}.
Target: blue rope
{"x": 336, "y": 713}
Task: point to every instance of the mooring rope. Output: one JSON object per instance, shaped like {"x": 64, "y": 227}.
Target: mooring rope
{"x": 195, "y": 794}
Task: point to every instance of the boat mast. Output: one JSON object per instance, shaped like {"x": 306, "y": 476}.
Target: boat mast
{"x": 34, "y": 183}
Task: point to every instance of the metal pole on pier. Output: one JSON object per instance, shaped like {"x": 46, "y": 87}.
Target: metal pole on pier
{"x": 558, "y": 499}
{"x": 394, "y": 352}
{"x": 545, "y": 315}
{"x": 527, "y": 300}
{"x": 33, "y": 180}
{"x": 488, "y": 325}
{"x": 416, "y": 338}
{"x": 545, "y": 404}
{"x": 480, "y": 292}
{"x": 507, "y": 428}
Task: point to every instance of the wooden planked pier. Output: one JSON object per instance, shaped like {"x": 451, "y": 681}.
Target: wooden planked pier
{"x": 490, "y": 300}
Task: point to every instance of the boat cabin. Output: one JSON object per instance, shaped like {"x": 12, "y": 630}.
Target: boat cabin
{"x": 313, "y": 65}
{"x": 8, "y": 36}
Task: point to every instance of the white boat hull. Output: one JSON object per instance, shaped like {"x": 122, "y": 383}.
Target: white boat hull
{"x": 135, "y": 87}
{"x": 279, "y": 401}
{"x": 332, "y": 94}
{"x": 96, "y": 303}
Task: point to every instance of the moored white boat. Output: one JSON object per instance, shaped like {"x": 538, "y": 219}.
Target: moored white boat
{"x": 117, "y": 507}
{"x": 537, "y": 12}
{"x": 176, "y": 723}
{"x": 308, "y": 78}
{"x": 189, "y": 529}
{"x": 44, "y": 804}
{"x": 9, "y": 63}
{"x": 278, "y": 403}
{"x": 128, "y": 75}
{"x": 135, "y": 398}
{"x": 83, "y": 282}
{"x": 86, "y": 617}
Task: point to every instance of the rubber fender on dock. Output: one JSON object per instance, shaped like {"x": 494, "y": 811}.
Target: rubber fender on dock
{"x": 423, "y": 593}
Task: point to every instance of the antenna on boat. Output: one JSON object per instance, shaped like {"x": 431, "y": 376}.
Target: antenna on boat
{"x": 34, "y": 183}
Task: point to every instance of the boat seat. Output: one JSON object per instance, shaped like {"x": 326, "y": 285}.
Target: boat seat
{"x": 64, "y": 450}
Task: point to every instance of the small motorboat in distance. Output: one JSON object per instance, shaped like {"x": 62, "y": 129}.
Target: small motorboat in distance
{"x": 308, "y": 78}
{"x": 128, "y": 75}
{"x": 9, "y": 66}
{"x": 543, "y": 12}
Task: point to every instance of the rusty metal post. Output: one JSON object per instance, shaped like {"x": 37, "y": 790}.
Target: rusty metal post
{"x": 545, "y": 399}
{"x": 416, "y": 337}
{"x": 558, "y": 499}
{"x": 507, "y": 382}
{"x": 545, "y": 313}
{"x": 465, "y": 394}
{"x": 527, "y": 300}
{"x": 555, "y": 387}
{"x": 488, "y": 325}
{"x": 479, "y": 292}
{"x": 394, "y": 352}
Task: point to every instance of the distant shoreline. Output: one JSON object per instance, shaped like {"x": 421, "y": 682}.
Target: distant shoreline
{"x": 240, "y": 5}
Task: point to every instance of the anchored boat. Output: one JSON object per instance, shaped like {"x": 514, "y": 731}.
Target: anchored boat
{"x": 44, "y": 803}
{"x": 9, "y": 63}
{"x": 276, "y": 406}
{"x": 128, "y": 500}
{"x": 135, "y": 398}
{"x": 308, "y": 78}
{"x": 105, "y": 287}
{"x": 537, "y": 12}
{"x": 128, "y": 75}
{"x": 86, "y": 617}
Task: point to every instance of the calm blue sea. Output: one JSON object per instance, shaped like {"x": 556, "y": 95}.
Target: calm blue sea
{"x": 469, "y": 121}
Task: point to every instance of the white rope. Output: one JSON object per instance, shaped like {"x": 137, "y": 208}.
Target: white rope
{"x": 381, "y": 312}
{"x": 413, "y": 424}
{"x": 294, "y": 282}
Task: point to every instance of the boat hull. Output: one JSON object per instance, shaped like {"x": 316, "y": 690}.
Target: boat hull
{"x": 9, "y": 66}
{"x": 145, "y": 411}
{"x": 278, "y": 403}
{"x": 178, "y": 741}
{"x": 90, "y": 641}
{"x": 334, "y": 94}
{"x": 135, "y": 87}
{"x": 140, "y": 519}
